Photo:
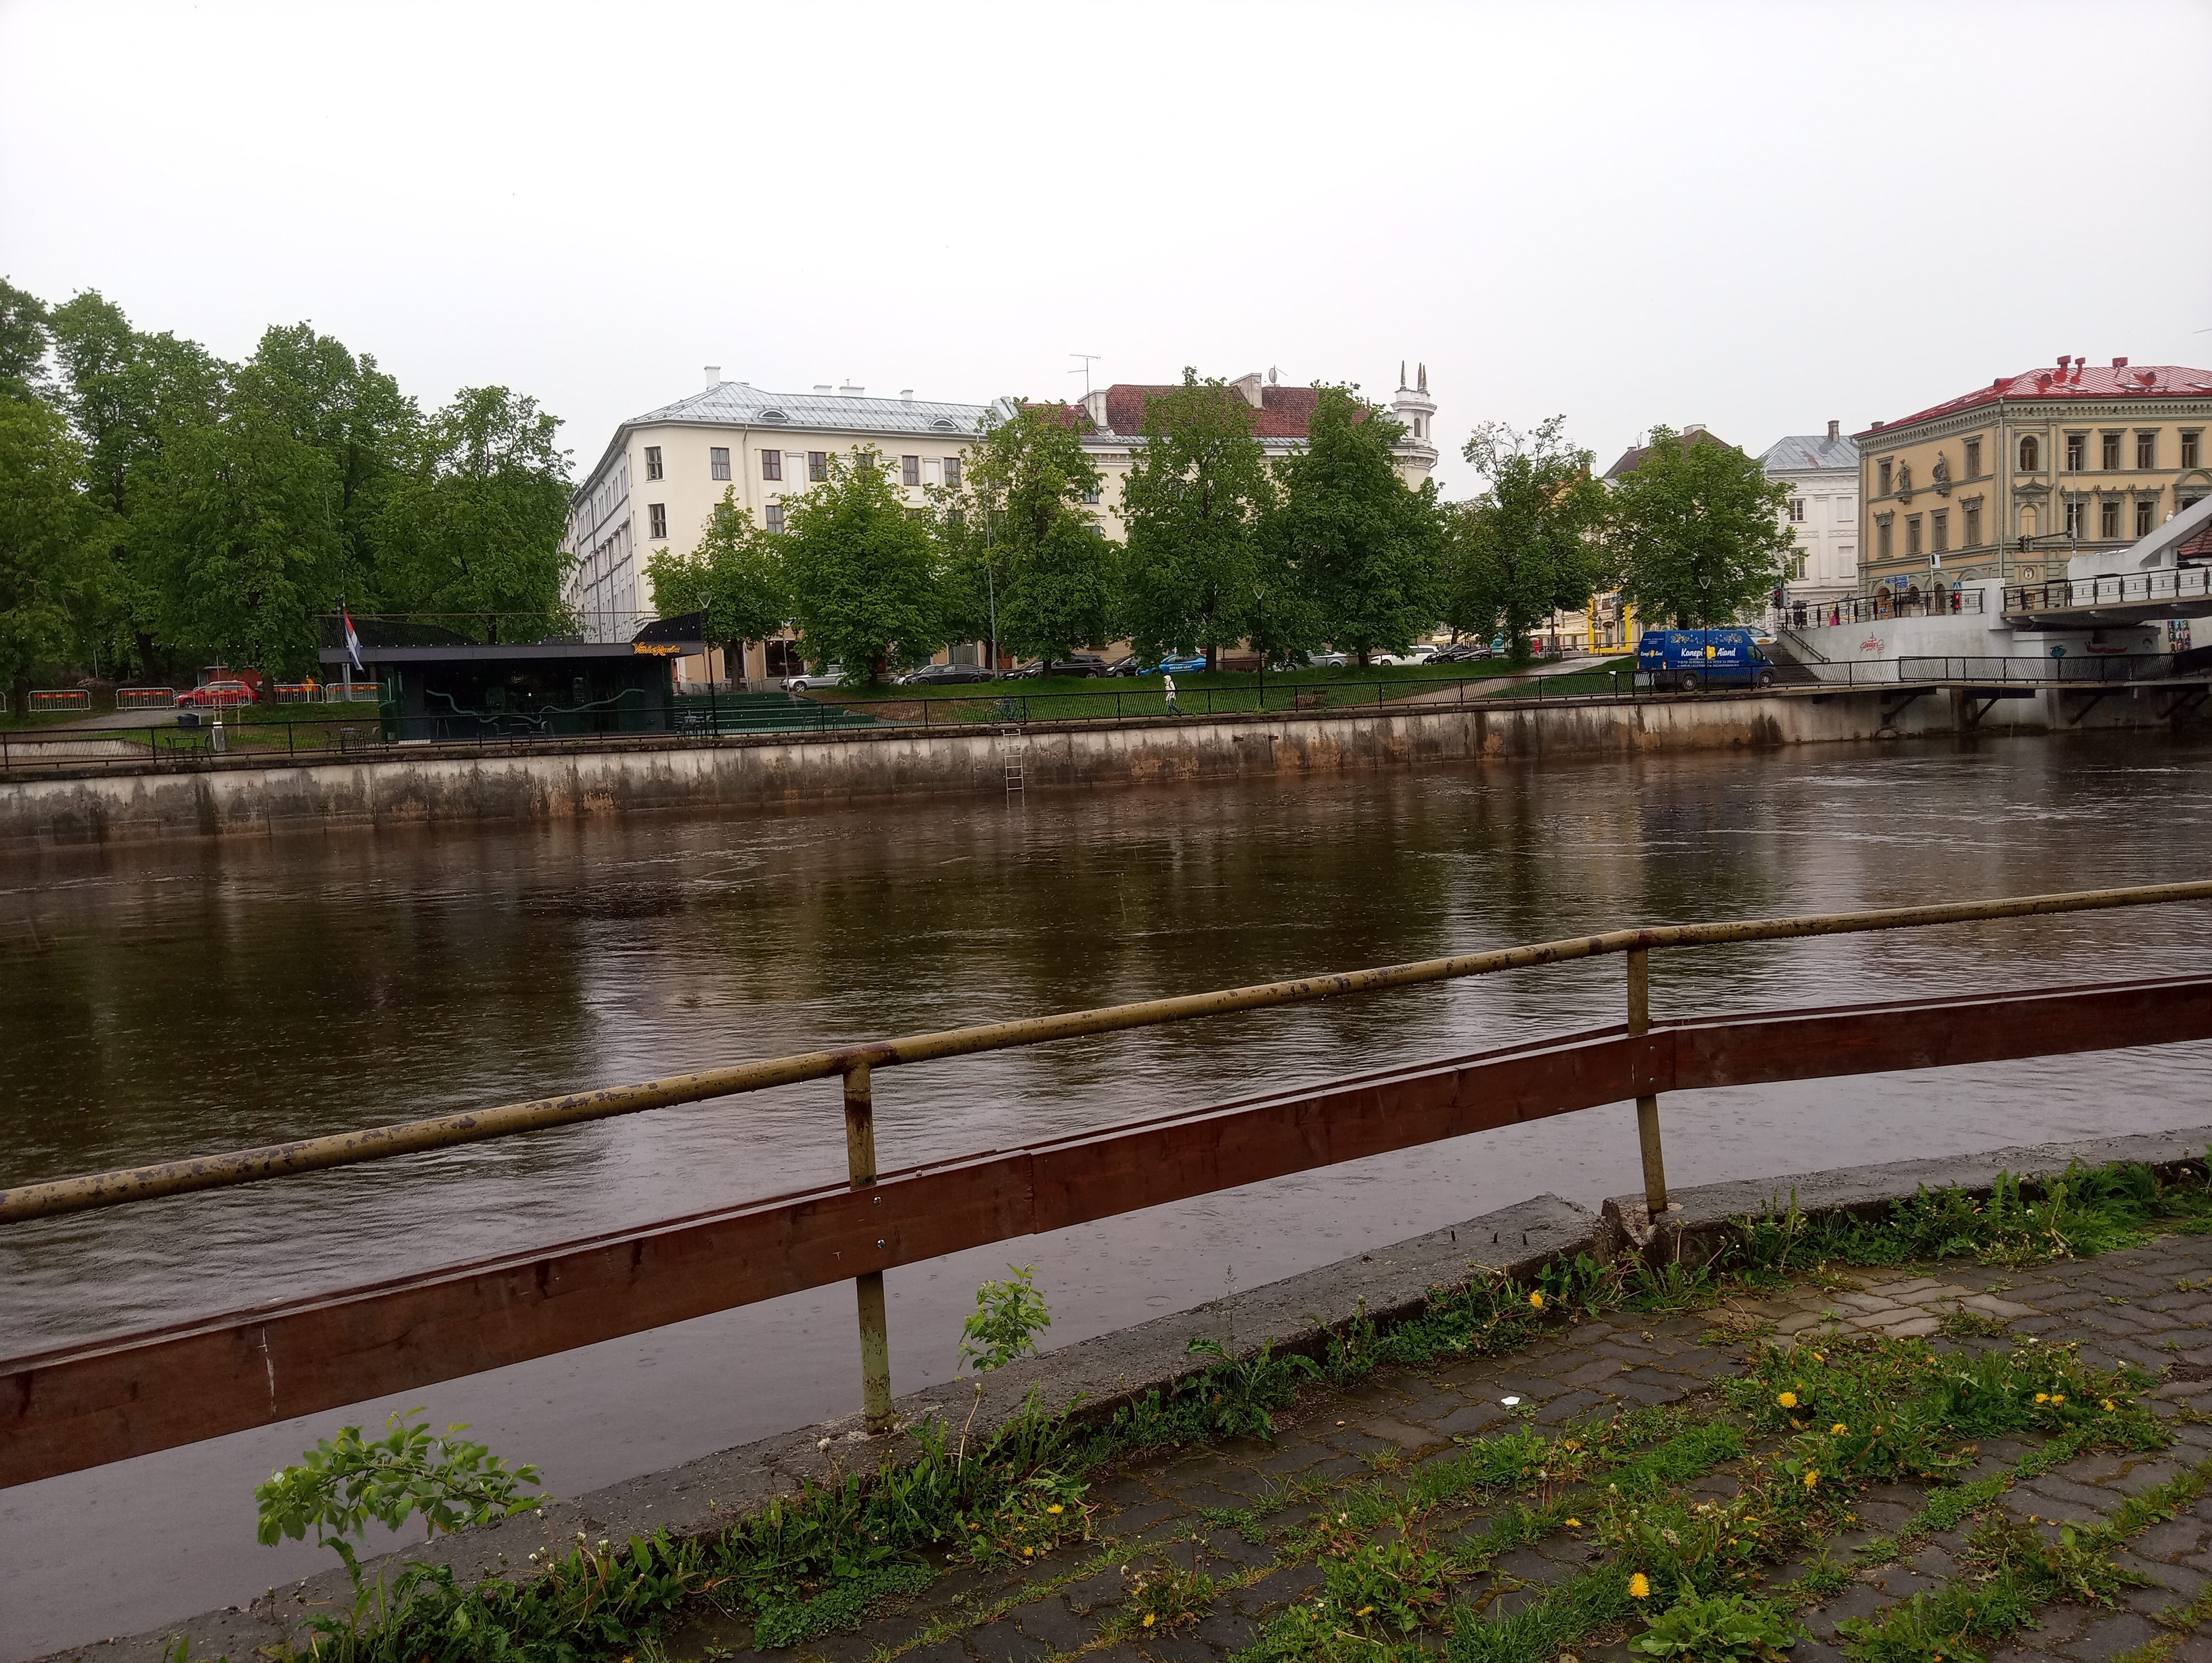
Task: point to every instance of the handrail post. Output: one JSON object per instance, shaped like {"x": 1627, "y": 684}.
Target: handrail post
{"x": 1647, "y": 1107}
{"x": 868, "y": 1286}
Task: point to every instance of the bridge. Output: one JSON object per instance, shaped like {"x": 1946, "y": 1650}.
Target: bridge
{"x": 2160, "y": 576}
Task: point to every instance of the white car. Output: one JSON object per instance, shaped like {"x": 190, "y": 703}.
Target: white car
{"x": 1420, "y": 655}
{"x": 829, "y": 675}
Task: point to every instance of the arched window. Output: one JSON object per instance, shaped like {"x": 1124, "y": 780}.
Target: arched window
{"x": 2031, "y": 455}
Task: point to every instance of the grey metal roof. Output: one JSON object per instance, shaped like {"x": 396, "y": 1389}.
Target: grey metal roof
{"x": 1801, "y": 452}
{"x": 739, "y": 404}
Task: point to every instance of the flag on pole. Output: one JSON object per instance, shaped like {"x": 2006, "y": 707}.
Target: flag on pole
{"x": 352, "y": 641}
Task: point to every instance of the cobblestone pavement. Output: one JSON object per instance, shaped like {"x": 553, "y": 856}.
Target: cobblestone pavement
{"x": 2150, "y": 1306}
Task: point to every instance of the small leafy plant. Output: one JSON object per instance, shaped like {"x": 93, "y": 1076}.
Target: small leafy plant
{"x": 343, "y": 1482}
{"x": 1162, "y": 1596}
{"x": 1008, "y": 1317}
{"x": 1722, "y": 1628}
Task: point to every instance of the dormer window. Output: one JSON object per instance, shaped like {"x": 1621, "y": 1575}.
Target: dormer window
{"x": 774, "y": 416}
{"x": 944, "y": 424}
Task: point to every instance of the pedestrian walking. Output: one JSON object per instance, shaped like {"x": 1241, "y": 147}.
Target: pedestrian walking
{"x": 1174, "y": 708}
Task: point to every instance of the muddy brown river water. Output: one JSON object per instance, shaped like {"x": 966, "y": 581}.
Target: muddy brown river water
{"x": 163, "y": 1000}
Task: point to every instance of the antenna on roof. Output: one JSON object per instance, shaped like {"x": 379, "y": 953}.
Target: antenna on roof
{"x": 1088, "y": 359}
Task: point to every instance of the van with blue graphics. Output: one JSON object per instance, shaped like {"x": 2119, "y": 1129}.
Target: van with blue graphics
{"x": 1685, "y": 661}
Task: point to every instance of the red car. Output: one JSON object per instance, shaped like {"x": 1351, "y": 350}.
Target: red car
{"x": 216, "y": 695}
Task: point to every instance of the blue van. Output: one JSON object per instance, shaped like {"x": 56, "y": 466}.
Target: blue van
{"x": 1685, "y": 660}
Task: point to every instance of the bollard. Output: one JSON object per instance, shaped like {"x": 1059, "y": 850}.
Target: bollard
{"x": 868, "y": 1286}
{"x": 1647, "y": 1108}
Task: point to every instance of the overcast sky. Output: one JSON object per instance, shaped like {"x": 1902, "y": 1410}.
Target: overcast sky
{"x": 1755, "y": 216}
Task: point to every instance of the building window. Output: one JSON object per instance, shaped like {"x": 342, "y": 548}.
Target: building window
{"x": 653, "y": 461}
{"x": 1847, "y": 510}
{"x": 1940, "y": 525}
{"x": 772, "y": 516}
{"x": 1882, "y": 538}
{"x": 2077, "y": 452}
{"x": 916, "y": 514}
{"x": 771, "y": 465}
{"x": 2147, "y": 450}
{"x": 817, "y": 466}
{"x": 1090, "y": 498}
{"x": 1884, "y": 492}
{"x": 2031, "y": 455}
{"x": 2073, "y": 516}
{"x": 1797, "y": 510}
{"x": 656, "y": 520}
{"x": 2189, "y": 449}
{"x": 2108, "y": 454}
{"x": 1973, "y": 526}
{"x": 1973, "y": 459}
{"x": 953, "y": 473}
{"x": 1912, "y": 535}
{"x": 2108, "y": 518}
{"x": 1797, "y": 571}
{"x": 909, "y": 470}
{"x": 718, "y": 461}
{"x": 2144, "y": 510}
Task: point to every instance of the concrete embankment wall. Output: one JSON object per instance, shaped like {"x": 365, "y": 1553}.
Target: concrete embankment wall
{"x": 238, "y": 796}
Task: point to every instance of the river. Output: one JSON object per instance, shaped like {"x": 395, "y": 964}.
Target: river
{"x": 165, "y": 1001}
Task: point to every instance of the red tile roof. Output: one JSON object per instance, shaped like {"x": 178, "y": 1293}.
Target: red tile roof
{"x": 2075, "y": 380}
{"x": 1632, "y": 458}
{"x": 1284, "y": 412}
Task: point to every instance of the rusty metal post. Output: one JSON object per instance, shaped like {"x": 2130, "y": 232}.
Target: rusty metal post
{"x": 868, "y": 1286}
{"x": 1647, "y": 1108}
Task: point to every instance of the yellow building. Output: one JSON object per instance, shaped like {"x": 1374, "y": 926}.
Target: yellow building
{"x": 2011, "y": 480}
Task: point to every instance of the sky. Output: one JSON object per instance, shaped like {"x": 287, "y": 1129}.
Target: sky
{"x": 1757, "y": 216}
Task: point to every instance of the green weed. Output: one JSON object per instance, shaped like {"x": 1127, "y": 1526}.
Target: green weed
{"x": 1008, "y": 1317}
{"x": 1724, "y": 1628}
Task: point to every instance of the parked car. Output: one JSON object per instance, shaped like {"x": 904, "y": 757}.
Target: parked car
{"x": 1461, "y": 652}
{"x": 1685, "y": 661}
{"x": 1183, "y": 663}
{"x": 929, "y": 673}
{"x": 1420, "y": 655}
{"x": 1076, "y": 664}
{"x": 1328, "y": 661}
{"x": 224, "y": 695}
{"x": 829, "y": 675}
{"x": 1128, "y": 665}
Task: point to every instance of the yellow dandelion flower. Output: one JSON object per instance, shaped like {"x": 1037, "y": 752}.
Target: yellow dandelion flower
{"x": 1150, "y": 1619}
{"x": 1788, "y": 1400}
{"x": 1812, "y": 1479}
{"x": 1364, "y": 1611}
{"x": 2110, "y": 1407}
{"x": 1055, "y": 1508}
{"x": 1639, "y": 1587}
{"x": 1537, "y": 1301}
{"x": 1574, "y": 1524}
{"x": 2042, "y": 1397}
{"x": 1837, "y": 1429}
{"x": 2058, "y": 1397}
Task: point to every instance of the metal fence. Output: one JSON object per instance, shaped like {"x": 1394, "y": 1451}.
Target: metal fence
{"x": 2095, "y": 669}
{"x": 1954, "y": 601}
{"x": 2128, "y": 588}
{"x": 59, "y": 698}
{"x": 562, "y": 627}
{"x": 123, "y": 1395}
{"x": 145, "y": 698}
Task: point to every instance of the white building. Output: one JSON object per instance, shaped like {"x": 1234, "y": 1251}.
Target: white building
{"x": 656, "y": 485}
{"x": 1823, "y": 477}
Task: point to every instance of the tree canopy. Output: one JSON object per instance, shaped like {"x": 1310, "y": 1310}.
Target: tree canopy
{"x": 862, "y": 572}
{"x": 1195, "y": 497}
{"x": 52, "y": 536}
{"x": 1528, "y": 545}
{"x": 1697, "y": 532}
{"x": 735, "y": 573}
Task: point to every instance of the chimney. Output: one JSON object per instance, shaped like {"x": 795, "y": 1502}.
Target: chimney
{"x": 824, "y": 386}
{"x": 2065, "y": 358}
{"x": 2120, "y": 363}
{"x": 1835, "y": 431}
{"x": 905, "y": 395}
{"x": 1875, "y": 424}
{"x": 1249, "y": 385}
{"x": 713, "y": 376}
{"x": 850, "y": 391}
{"x": 1094, "y": 406}
{"x": 1689, "y": 428}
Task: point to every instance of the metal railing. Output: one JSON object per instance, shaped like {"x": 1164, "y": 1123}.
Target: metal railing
{"x": 65, "y": 1409}
{"x": 2096, "y": 669}
{"x": 560, "y": 627}
{"x": 1953, "y": 600}
{"x": 58, "y": 698}
{"x": 145, "y": 698}
{"x": 2120, "y": 589}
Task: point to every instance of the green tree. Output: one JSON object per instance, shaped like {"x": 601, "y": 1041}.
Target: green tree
{"x": 22, "y": 342}
{"x": 1528, "y": 545}
{"x": 474, "y": 522}
{"x": 52, "y": 535}
{"x": 229, "y": 517}
{"x": 1362, "y": 542}
{"x": 1197, "y": 493}
{"x": 1020, "y": 517}
{"x": 863, "y": 574}
{"x": 734, "y": 574}
{"x": 1698, "y": 531}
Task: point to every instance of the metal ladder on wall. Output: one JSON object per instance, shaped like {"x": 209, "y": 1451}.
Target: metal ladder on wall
{"x": 1012, "y": 742}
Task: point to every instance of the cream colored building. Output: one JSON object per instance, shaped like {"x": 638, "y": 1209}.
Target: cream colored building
{"x": 656, "y": 485}
{"x": 1822, "y": 512}
{"x": 2013, "y": 479}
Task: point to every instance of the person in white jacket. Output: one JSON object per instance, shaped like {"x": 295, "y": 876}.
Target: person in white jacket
{"x": 1174, "y": 708}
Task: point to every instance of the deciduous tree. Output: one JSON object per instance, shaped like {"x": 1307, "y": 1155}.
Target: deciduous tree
{"x": 863, "y": 574}
{"x": 1365, "y": 543}
{"x": 22, "y": 342}
{"x": 734, "y": 574}
{"x": 1197, "y": 493}
{"x": 1698, "y": 531}
{"x": 52, "y": 536}
{"x": 1528, "y": 545}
